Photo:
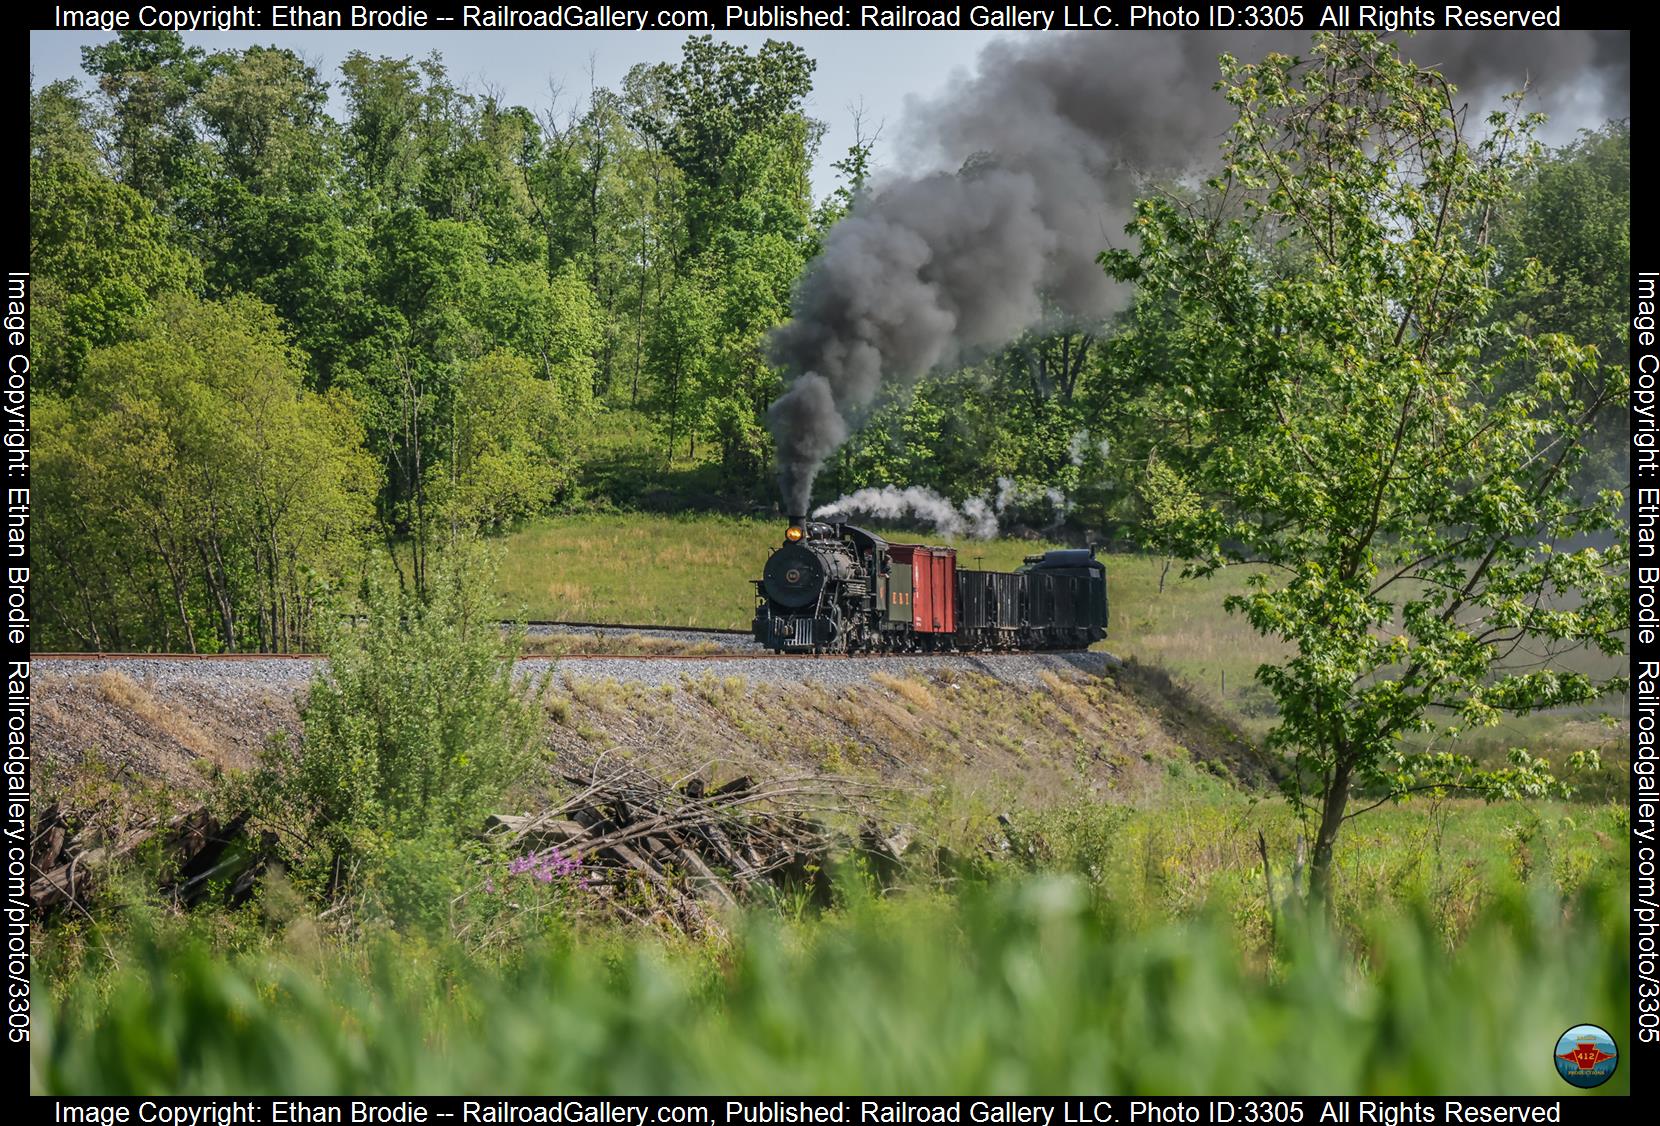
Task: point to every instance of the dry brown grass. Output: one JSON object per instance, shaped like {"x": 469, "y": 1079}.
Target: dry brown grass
{"x": 914, "y": 692}
{"x": 965, "y": 745}
{"x": 133, "y": 699}
{"x": 174, "y": 734}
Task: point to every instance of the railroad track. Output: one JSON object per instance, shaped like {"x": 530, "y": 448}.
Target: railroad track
{"x": 178, "y": 656}
{"x": 538, "y": 623}
{"x": 624, "y": 628}
{"x": 599, "y": 627}
{"x": 723, "y": 656}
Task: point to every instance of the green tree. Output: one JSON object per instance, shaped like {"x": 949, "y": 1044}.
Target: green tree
{"x": 855, "y": 173}
{"x": 732, "y": 124}
{"x": 61, "y": 126}
{"x": 265, "y": 112}
{"x": 421, "y": 282}
{"x": 708, "y": 104}
{"x": 149, "y": 82}
{"x": 507, "y": 455}
{"x": 478, "y": 174}
{"x": 599, "y": 189}
{"x": 681, "y": 349}
{"x": 100, "y": 255}
{"x": 270, "y": 215}
{"x": 1573, "y": 223}
{"x": 193, "y": 493}
{"x": 1573, "y": 219}
{"x": 299, "y": 254}
{"x": 383, "y": 128}
{"x": 653, "y": 190}
{"x": 1343, "y": 427}
{"x": 437, "y": 306}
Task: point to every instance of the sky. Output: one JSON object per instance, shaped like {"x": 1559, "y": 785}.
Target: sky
{"x": 878, "y": 71}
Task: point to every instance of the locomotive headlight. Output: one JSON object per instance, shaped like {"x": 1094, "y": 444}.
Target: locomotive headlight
{"x": 793, "y": 534}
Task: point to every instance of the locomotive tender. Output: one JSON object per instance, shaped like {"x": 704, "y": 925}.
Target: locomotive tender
{"x": 834, "y": 587}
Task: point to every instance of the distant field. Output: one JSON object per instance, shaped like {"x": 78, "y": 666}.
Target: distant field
{"x": 697, "y": 571}
{"x": 665, "y": 570}
{"x": 644, "y": 570}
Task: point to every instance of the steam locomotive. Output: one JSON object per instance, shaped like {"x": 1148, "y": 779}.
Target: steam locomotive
{"x": 833, "y": 587}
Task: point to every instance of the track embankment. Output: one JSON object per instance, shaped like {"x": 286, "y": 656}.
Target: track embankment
{"x": 1003, "y": 723}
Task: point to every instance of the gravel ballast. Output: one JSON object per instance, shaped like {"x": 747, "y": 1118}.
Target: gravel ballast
{"x": 1022, "y": 669}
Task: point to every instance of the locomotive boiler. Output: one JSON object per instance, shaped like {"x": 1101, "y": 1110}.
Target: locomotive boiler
{"x": 834, "y": 587}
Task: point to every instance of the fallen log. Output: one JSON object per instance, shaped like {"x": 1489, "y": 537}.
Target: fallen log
{"x": 195, "y": 845}
{"x": 51, "y": 834}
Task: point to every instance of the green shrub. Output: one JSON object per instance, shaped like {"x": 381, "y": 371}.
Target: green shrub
{"x": 413, "y": 732}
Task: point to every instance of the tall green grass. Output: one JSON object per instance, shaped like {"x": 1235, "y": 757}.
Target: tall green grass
{"x": 1019, "y": 988}
{"x": 1194, "y": 850}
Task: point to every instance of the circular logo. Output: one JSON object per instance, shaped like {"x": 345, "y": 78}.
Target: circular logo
{"x": 792, "y": 576}
{"x": 1586, "y": 1055}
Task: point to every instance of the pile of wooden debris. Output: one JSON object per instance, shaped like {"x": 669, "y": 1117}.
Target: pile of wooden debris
{"x": 692, "y": 846}
{"x": 201, "y": 853}
{"x": 668, "y": 853}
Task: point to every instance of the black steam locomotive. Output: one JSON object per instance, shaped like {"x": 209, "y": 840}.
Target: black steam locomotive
{"x": 838, "y": 588}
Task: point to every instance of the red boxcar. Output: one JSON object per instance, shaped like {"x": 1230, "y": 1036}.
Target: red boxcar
{"x": 933, "y": 585}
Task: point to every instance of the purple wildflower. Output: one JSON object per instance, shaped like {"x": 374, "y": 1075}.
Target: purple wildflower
{"x": 544, "y": 866}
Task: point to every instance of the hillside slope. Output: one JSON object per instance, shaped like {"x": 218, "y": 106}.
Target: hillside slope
{"x": 980, "y": 730}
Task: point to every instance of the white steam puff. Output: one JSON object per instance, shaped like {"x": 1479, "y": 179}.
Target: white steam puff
{"x": 975, "y": 520}
{"x": 978, "y": 518}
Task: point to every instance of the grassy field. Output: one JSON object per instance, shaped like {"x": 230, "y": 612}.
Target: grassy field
{"x": 690, "y": 571}
{"x": 1043, "y": 963}
{"x": 698, "y": 570}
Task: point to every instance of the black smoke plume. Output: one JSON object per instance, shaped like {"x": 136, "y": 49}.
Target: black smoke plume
{"x": 1048, "y": 142}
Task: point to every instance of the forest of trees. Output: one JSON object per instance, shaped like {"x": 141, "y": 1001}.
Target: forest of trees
{"x": 269, "y": 341}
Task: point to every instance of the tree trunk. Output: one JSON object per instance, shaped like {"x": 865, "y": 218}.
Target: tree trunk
{"x": 674, "y": 408}
{"x": 218, "y": 584}
{"x": 1331, "y": 820}
{"x": 180, "y": 595}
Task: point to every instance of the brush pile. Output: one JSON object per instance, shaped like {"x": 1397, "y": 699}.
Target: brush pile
{"x": 673, "y": 853}
{"x": 201, "y": 853}
{"x": 690, "y": 846}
